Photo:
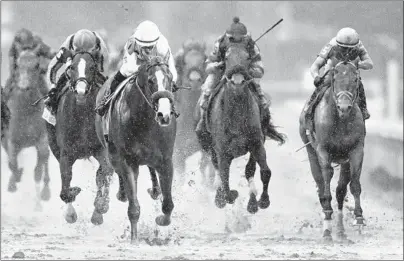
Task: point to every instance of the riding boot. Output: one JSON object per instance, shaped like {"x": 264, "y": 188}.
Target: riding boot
{"x": 309, "y": 108}
{"x": 264, "y": 104}
{"x": 362, "y": 102}
{"x": 52, "y": 100}
{"x": 103, "y": 106}
{"x": 8, "y": 88}
{"x": 204, "y": 107}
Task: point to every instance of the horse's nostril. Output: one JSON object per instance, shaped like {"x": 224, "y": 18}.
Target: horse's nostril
{"x": 339, "y": 107}
{"x": 160, "y": 115}
{"x": 349, "y": 107}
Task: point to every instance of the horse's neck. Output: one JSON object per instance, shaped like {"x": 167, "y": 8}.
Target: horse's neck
{"x": 237, "y": 104}
{"x": 137, "y": 102}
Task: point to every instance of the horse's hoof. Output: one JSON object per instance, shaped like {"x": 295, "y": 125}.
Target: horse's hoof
{"x": 154, "y": 193}
{"x": 74, "y": 191}
{"x": 264, "y": 201}
{"x": 359, "y": 221}
{"x": 233, "y": 195}
{"x": 12, "y": 187}
{"x": 121, "y": 196}
{"x": 252, "y": 206}
{"x": 134, "y": 241}
{"x": 45, "y": 194}
{"x": 71, "y": 215}
{"x": 97, "y": 218}
{"x": 327, "y": 238}
{"x": 163, "y": 220}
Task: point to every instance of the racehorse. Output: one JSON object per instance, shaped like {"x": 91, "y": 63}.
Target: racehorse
{"x": 26, "y": 129}
{"x": 338, "y": 137}
{"x": 5, "y": 115}
{"x": 191, "y": 74}
{"x": 74, "y": 136}
{"x": 141, "y": 131}
{"x": 235, "y": 129}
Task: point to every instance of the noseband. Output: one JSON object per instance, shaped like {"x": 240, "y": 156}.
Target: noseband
{"x": 73, "y": 83}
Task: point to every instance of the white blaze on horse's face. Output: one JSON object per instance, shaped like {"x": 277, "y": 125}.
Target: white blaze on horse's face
{"x": 81, "y": 86}
{"x": 164, "y": 104}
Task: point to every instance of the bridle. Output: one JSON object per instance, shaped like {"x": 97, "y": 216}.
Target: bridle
{"x": 136, "y": 83}
{"x": 73, "y": 83}
{"x": 351, "y": 97}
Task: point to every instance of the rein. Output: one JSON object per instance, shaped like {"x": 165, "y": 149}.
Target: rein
{"x": 144, "y": 96}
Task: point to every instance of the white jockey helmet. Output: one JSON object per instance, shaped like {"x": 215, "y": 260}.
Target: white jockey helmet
{"x": 347, "y": 37}
{"x": 147, "y": 34}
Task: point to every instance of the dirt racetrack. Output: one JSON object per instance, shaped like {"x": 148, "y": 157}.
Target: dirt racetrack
{"x": 289, "y": 229}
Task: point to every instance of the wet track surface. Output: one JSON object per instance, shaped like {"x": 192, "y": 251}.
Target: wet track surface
{"x": 289, "y": 229}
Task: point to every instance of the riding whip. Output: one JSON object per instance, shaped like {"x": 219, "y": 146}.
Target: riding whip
{"x": 269, "y": 29}
{"x": 40, "y": 99}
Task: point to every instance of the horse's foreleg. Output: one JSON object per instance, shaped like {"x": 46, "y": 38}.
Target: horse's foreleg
{"x": 165, "y": 173}
{"x": 344, "y": 178}
{"x": 103, "y": 180}
{"x": 131, "y": 175}
{"x": 223, "y": 193}
{"x": 206, "y": 169}
{"x": 260, "y": 156}
{"x": 42, "y": 168}
{"x": 356, "y": 160}
{"x": 155, "y": 191}
{"x": 250, "y": 168}
{"x": 68, "y": 194}
{"x": 327, "y": 173}
{"x": 13, "y": 151}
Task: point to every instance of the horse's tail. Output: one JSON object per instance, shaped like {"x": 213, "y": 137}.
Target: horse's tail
{"x": 273, "y": 134}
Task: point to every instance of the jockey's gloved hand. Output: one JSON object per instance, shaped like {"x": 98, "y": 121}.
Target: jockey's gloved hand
{"x": 175, "y": 87}
{"x": 52, "y": 91}
{"x": 317, "y": 81}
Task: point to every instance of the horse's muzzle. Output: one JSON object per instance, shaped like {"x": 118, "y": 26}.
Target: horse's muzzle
{"x": 81, "y": 92}
{"x": 344, "y": 108}
{"x": 164, "y": 112}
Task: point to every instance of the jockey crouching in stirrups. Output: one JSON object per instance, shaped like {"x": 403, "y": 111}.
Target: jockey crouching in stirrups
{"x": 146, "y": 42}
{"x": 346, "y": 46}
{"x": 82, "y": 41}
{"x": 237, "y": 34}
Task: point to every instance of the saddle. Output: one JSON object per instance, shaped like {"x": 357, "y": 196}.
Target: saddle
{"x": 107, "y": 117}
{"x": 312, "y": 104}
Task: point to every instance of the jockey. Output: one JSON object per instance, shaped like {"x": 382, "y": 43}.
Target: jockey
{"x": 188, "y": 45}
{"x": 82, "y": 40}
{"x": 237, "y": 33}
{"x": 147, "y": 41}
{"x": 25, "y": 40}
{"x": 345, "y": 46}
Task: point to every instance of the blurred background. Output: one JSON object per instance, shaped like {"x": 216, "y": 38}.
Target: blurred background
{"x": 287, "y": 51}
